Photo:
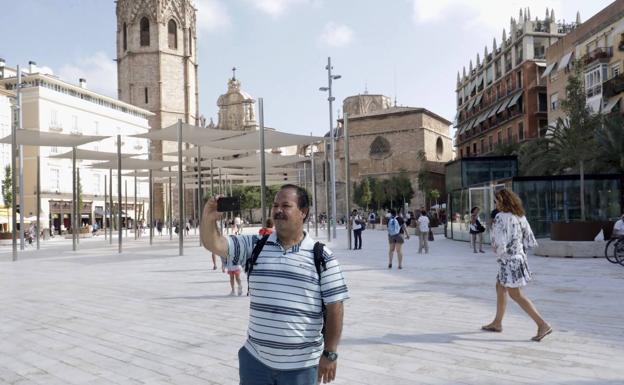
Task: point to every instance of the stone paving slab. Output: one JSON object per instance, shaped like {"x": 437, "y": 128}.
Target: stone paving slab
{"x": 148, "y": 316}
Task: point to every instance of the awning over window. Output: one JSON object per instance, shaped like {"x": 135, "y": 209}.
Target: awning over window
{"x": 565, "y": 60}
{"x": 492, "y": 110}
{"x": 549, "y": 69}
{"x": 478, "y": 100}
{"x": 502, "y": 106}
{"x": 612, "y": 103}
{"x": 514, "y": 99}
{"x": 470, "y": 104}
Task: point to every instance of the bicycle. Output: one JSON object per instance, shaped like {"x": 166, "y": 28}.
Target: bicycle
{"x": 614, "y": 250}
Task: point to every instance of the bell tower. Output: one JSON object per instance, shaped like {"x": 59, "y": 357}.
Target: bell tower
{"x": 157, "y": 66}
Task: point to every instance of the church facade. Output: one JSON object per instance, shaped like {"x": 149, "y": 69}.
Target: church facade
{"x": 385, "y": 140}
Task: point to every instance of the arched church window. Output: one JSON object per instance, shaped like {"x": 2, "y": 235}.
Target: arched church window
{"x": 190, "y": 42}
{"x": 439, "y": 148}
{"x": 380, "y": 148}
{"x": 172, "y": 30}
{"x": 125, "y": 36}
{"x": 145, "y": 32}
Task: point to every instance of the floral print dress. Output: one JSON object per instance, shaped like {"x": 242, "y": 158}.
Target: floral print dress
{"x": 511, "y": 235}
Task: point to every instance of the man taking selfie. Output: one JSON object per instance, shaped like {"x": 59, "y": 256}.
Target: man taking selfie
{"x": 296, "y": 308}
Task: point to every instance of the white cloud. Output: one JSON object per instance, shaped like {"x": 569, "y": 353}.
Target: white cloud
{"x": 275, "y": 8}
{"x": 336, "y": 35}
{"x": 212, "y": 15}
{"x": 99, "y": 70}
{"x": 484, "y": 13}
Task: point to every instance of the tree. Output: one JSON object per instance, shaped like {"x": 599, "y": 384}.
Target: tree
{"x": 403, "y": 190}
{"x": 7, "y": 184}
{"x": 434, "y": 195}
{"x": 366, "y": 193}
{"x": 424, "y": 180}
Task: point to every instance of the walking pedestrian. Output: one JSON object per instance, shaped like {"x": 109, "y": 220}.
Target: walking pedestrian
{"x": 476, "y": 230}
{"x": 285, "y": 344}
{"x": 511, "y": 233}
{"x": 356, "y": 223}
{"x": 423, "y": 234}
{"x": 395, "y": 238}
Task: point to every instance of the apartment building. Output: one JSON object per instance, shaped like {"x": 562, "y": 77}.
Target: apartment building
{"x": 502, "y": 99}
{"x": 54, "y": 105}
{"x": 598, "y": 45}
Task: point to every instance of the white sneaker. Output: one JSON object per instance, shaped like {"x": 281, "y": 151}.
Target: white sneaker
{"x": 240, "y": 290}
{"x": 232, "y": 292}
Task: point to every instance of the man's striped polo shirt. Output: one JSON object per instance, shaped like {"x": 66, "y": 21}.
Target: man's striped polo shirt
{"x": 286, "y": 318}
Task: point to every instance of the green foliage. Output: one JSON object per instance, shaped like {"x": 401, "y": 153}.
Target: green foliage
{"x": 610, "y": 140}
{"x": 7, "y": 184}
{"x": 384, "y": 193}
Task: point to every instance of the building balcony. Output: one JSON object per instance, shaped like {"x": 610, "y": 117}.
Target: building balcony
{"x": 601, "y": 55}
{"x": 613, "y": 86}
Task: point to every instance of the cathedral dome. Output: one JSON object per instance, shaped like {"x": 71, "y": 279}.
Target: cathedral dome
{"x": 234, "y": 95}
{"x": 236, "y": 108}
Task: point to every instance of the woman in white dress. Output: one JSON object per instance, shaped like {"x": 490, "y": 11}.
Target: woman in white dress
{"x": 511, "y": 235}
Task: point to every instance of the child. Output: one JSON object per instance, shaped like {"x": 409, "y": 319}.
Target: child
{"x": 267, "y": 229}
{"x": 234, "y": 273}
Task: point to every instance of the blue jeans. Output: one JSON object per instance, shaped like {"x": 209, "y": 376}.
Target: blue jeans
{"x": 254, "y": 372}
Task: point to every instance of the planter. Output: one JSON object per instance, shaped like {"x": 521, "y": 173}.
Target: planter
{"x": 579, "y": 231}
{"x": 6, "y": 235}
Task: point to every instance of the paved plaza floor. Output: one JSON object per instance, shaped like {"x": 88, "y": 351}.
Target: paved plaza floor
{"x": 148, "y": 316}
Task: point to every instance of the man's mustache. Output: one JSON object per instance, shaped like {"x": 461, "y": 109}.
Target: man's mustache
{"x": 279, "y": 216}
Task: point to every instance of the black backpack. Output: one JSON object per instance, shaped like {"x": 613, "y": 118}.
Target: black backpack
{"x": 319, "y": 263}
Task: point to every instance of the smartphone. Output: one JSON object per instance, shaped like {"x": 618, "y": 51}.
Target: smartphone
{"x": 225, "y": 204}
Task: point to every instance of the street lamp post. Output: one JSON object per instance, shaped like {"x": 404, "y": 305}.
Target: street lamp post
{"x": 332, "y": 135}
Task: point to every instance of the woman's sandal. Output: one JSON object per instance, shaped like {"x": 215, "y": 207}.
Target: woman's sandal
{"x": 541, "y": 336}
{"x": 490, "y": 328}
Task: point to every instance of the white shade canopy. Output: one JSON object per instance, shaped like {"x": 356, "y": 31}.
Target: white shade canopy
{"x": 38, "y": 138}
{"x": 253, "y": 161}
{"x": 91, "y": 155}
{"x": 134, "y": 164}
{"x": 272, "y": 139}
{"x": 206, "y": 152}
{"x": 199, "y": 136}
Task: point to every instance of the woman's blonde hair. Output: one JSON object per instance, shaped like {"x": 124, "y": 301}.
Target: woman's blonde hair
{"x": 509, "y": 202}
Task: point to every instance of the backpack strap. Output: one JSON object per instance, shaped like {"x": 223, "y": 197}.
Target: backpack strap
{"x": 319, "y": 258}
{"x": 253, "y": 259}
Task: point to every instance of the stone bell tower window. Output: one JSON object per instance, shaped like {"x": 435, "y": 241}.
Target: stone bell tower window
{"x": 145, "y": 32}
{"x": 172, "y": 35}
{"x": 125, "y": 36}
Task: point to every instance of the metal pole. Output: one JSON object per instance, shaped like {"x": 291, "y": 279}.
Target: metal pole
{"x": 78, "y": 209}
{"x": 73, "y": 221}
{"x": 119, "y": 189}
{"x": 126, "y": 205}
{"x": 180, "y": 191}
{"x": 15, "y": 126}
{"x": 305, "y": 186}
{"x": 211, "y": 179}
{"x": 347, "y": 177}
{"x": 200, "y": 199}
{"x": 170, "y": 208}
{"x": 38, "y": 199}
{"x": 104, "y": 214}
{"x": 150, "y": 180}
{"x": 327, "y": 190}
{"x": 333, "y": 145}
{"x": 262, "y": 162}
{"x": 110, "y": 199}
{"x": 135, "y": 211}
{"x": 313, "y": 170}
{"x": 21, "y": 165}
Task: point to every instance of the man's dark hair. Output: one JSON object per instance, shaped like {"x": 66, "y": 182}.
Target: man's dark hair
{"x": 393, "y": 212}
{"x": 303, "y": 199}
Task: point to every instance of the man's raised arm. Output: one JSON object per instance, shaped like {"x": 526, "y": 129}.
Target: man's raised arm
{"x": 209, "y": 232}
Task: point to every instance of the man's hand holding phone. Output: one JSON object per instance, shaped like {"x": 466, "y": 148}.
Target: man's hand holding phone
{"x": 210, "y": 210}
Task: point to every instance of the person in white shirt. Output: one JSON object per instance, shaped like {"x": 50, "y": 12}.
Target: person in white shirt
{"x": 423, "y": 227}
{"x": 356, "y": 225}
{"x": 618, "y": 228}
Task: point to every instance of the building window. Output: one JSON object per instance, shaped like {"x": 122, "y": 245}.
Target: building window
{"x": 543, "y": 127}
{"x": 54, "y": 150}
{"x": 499, "y": 139}
{"x": 520, "y": 131}
{"x": 467, "y": 150}
{"x": 554, "y": 101}
{"x": 54, "y": 119}
{"x": 542, "y": 102}
{"x": 146, "y": 96}
{"x": 190, "y": 42}
{"x": 439, "y": 148}
{"x": 125, "y": 36}
{"x": 474, "y": 148}
{"x": 172, "y": 34}
{"x": 380, "y": 148}
{"x": 510, "y": 139}
{"x": 483, "y": 146}
{"x": 519, "y": 79}
{"x": 55, "y": 179}
{"x": 593, "y": 81}
{"x": 145, "y": 32}
{"x": 490, "y": 143}
{"x": 615, "y": 70}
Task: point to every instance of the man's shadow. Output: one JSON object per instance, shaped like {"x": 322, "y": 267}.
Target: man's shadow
{"x": 425, "y": 338}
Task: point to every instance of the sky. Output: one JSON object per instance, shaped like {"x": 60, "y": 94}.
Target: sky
{"x": 410, "y": 50}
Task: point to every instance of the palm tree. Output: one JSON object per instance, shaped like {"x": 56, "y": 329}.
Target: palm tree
{"x": 610, "y": 140}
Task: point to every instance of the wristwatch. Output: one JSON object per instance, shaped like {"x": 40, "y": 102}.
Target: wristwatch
{"x": 331, "y": 356}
